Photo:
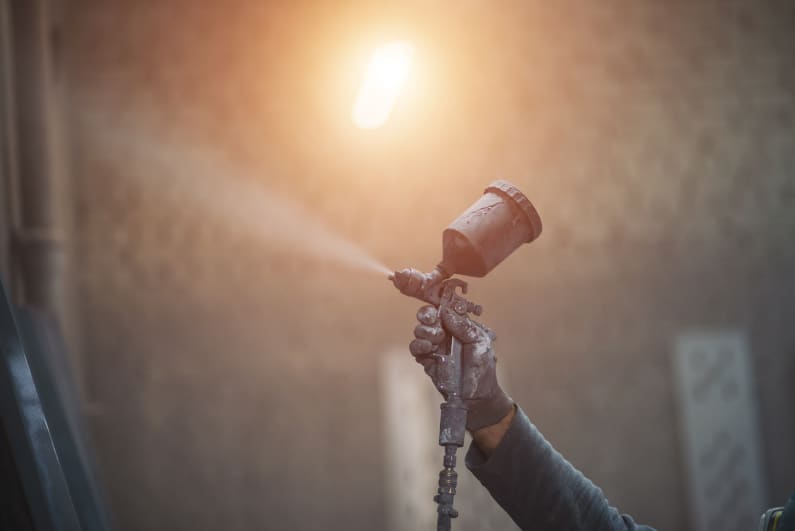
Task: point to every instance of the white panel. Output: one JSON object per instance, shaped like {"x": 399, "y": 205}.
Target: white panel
{"x": 719, "y": 430}
{"x": 409, "y": 429}
{"x": 414, "y": 458}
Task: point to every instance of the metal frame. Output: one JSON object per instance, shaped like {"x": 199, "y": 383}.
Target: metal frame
{"x": 39, "y": 415}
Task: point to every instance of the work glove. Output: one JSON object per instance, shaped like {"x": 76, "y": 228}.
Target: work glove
{"x": 486, "y": 402}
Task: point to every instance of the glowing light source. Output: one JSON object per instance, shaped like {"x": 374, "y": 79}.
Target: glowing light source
{"x": 386, "y": 74}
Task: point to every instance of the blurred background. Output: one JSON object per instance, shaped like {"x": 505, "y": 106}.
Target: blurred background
{"x": 184, "y": 187}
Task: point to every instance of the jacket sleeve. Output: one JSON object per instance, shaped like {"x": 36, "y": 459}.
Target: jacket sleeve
{"x": 539, "y": 489}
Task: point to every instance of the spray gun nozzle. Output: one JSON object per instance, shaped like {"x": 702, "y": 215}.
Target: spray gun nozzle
{"x": 409, "y": 281}
{"x": 424, "y": 286}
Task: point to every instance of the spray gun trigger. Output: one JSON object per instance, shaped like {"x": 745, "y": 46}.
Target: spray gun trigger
{"x": 453, "y": 283}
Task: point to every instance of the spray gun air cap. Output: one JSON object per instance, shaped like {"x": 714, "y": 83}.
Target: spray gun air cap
{"x": 489, "y": 231}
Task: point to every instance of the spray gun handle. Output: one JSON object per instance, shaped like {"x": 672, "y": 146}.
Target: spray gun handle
{"x": 450, "y": 368}
{"x": 453, "y": 419}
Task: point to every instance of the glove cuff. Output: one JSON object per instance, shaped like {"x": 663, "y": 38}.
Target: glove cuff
{"x": 488, "y": 411}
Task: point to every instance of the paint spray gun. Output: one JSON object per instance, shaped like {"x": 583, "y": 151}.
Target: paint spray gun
{"x": 479, "y": 239}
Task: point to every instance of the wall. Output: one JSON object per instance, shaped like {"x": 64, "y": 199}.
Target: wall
{"x": 234, "y": 384}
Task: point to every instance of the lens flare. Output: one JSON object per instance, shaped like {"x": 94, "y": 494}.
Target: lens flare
{"x": 388, "y": 69}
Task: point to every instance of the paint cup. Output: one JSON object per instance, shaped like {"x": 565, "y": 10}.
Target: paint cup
{"x": 489, "y": 231}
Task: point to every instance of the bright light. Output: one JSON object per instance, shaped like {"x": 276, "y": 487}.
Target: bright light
{"x": 388, "y": 69}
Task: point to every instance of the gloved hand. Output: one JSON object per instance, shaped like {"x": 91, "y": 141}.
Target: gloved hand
{"x": 486, "y": 401}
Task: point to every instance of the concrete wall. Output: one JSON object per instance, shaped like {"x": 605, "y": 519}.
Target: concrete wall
{"x": 233, "y": 384}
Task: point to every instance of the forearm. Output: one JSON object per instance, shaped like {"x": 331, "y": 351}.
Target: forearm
{"x": 538, "y": 488}
{"x": 489, "y": 437}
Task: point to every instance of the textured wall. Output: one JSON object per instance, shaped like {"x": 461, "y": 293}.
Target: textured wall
{"x": 234, "y": 383}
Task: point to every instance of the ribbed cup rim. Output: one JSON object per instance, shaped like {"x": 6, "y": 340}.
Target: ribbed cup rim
{"x": 508, "y": 190}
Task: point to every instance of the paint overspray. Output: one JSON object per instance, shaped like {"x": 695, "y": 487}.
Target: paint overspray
{"x": 206, "y": 180}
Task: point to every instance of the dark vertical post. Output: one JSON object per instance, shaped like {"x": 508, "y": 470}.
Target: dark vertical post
{"x": 8, "y": 152}
{"x": 38, "y": 187}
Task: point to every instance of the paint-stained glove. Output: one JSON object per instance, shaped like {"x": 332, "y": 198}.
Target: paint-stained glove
{"x": 486, "y": 401}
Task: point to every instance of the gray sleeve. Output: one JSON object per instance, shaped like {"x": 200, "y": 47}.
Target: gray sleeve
{"x": 539, "y": 489}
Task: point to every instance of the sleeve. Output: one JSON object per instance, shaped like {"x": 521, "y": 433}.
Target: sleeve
{"x": 539, "y": 489}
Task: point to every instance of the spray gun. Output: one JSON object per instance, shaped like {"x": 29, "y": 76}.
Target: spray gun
{"x": 476, "y": 242}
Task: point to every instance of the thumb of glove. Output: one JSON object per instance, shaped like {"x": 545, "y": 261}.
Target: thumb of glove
{"x": 462, "y": 327}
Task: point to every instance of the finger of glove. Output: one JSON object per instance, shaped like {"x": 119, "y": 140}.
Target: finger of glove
{"x": 434, "y": 334}
{"x": 428, "y": 315}
{"x": 421, "y": 347}
{"x": 428, "y": 363}
{"x": 463, "y": 328}
{"x": 491, "y": 333}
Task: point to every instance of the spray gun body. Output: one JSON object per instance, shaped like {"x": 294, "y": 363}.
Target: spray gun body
{"x": 479, "y": 239}
{"x": 435, "y": 288}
